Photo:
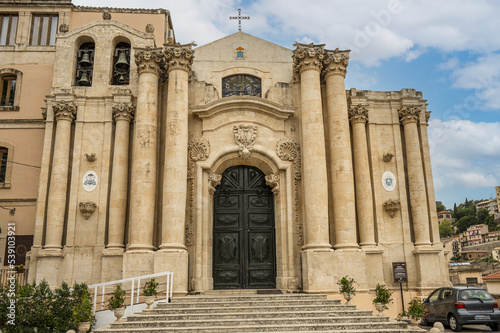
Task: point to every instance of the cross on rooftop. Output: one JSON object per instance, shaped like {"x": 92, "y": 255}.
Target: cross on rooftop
{"x": 239, "y": 18}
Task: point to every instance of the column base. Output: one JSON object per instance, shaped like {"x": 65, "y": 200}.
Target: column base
{"x": 49, "y": 262}
{"x": 317, "y": 247}
{"x": 137, "y": 263}
{"x": 346, "y": 246}
{"x": 140, "y": 247}
{"x": 322, "y": 270}
{"x": 176, "y": 261}
{"x": 112, "y": 264}
{"x": 426, "y": 257}
{"x": 173, "y": 247}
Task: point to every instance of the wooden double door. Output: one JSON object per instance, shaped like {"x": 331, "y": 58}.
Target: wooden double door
{"x": 244, "y": 250}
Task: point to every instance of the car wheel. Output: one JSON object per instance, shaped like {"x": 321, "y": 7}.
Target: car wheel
{"x": 454, "y": 325}
{"x": 495, "y": 327}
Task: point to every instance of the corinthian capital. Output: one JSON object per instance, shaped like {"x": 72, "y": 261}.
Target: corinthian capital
{"x": 358, "y": 114}
{"x": 149, "y": 60}
{"x": 64, "y": 111}
{"x": 336, "y": 62}
{"x": 308, "y": 56}
{"x": 123, "y": 111}
{"x": 408, "y": 114}
{"x": 179, "y": 56}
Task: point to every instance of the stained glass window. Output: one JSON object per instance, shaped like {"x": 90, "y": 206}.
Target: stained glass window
{"x": 241, "y": 85}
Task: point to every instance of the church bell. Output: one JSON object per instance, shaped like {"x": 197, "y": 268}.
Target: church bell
{"x": 84, "y": 80}
{"x": 85, "y": 62}
{"x": 122, "y": 63}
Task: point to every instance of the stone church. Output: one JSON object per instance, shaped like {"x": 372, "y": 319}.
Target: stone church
{"x": 239, "y": 164}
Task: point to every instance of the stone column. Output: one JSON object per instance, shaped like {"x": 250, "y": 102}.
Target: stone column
{"x": 409, "y": 117}
{"x": 342, "y": 177}
{"x": 143, "y": 182}
{"x": 123, "y": 115}
{"x": 64, "y": 114}
{"x": 358, "y": 116}
{"x": 179, "y": 60}
{"x": 308, "y": 61}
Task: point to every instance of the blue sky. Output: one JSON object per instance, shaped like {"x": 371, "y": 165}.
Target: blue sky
{"x": 448, "y": 49}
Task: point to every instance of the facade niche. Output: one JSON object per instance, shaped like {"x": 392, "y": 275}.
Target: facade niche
{"x": 85, "y": 64}
{"x": 121, "y": 64}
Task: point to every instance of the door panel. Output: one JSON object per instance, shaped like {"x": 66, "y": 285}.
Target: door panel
{"x": 244, "y": 236}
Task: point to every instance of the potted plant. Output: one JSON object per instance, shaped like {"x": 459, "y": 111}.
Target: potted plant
{"x": 150, "y": 291}
{"x": 382, "y": 298}
{"x": 346, "y": 287}
{"x": 117, "y": 302}
{"x": 82, "y": 313}
{"x": 416, "y": 310}
{"x": 19, "y": 269}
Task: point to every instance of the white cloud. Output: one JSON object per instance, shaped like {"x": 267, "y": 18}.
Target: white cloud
{"x": 464, "y": 154}
{"x": 483, "y": 76}
{"x": 450, "y": 64}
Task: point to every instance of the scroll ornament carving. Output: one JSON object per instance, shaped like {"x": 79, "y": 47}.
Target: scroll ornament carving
{"x": 87, "y": 208}
{"x": 427, "y": 116}
{"x": 358, "y": 114}
{"x": 179, "y": 56}
{"x": 150, "y": 28}
{"x": 199, "y": 150}
{"x": 289, "y": 150}
{"x": 149, "y": 60}
{"x": 123, "y": 111}
{"x": 213, "y": 181}
{"x": 64, "y": 28}
{"x": 392, "y": 207}
{"x": 409, "y": 114}
{"x": 244, "y": 135}
{"x": 273, "y": 180}
{"x": 106, "y": 15}
{"x": 308, "y": 56}
{"x": 336, "y": 62}
{"x": 64, "y": 111}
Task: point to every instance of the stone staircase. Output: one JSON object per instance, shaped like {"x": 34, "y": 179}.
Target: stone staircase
{"x": 257, "y": 313}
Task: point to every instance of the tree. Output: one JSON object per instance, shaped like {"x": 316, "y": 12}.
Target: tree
{"x": 445, "y": 229}
{"x": 490, "y": 222}
{"x": 466, "y": 221}
{"x": 439, "y": 206}
{"x": 482, "y": 214}
{"x": 455, "y": 210}
{"x": 465, "y": 212}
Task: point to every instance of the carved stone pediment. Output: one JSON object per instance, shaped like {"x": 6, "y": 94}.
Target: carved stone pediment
{"x": 243, "y": 109}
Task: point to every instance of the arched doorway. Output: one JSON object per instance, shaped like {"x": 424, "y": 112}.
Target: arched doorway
{"x": 244, "y": 250}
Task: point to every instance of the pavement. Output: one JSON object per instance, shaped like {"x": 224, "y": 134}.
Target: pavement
{"x": 465, "y": 329}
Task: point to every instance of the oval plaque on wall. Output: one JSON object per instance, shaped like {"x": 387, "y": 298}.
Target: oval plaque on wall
{"x": 89, "y": 181}
{"x": 389, "y": 181}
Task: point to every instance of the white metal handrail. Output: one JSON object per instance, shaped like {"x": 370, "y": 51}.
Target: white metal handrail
{"x": 168, "y": 294}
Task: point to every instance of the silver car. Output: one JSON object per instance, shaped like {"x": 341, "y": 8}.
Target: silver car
{"x": 457, "y": 306}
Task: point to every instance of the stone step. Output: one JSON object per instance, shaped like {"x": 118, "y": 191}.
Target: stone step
{"x": 372, "y": 327}
{"x": 251, "y": 303}
{"x": 361, "y": 320}
{"x": 166, "y": 315}
{"x": 230, "y": 298}
{"x": 271, "y": 308}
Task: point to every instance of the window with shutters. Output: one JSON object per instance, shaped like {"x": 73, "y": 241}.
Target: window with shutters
{"x": 44, "y": 29}
{"x": 8, "y": 29}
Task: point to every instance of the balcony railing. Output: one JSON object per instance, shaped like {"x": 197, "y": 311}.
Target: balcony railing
{"x": 20, "y": 275}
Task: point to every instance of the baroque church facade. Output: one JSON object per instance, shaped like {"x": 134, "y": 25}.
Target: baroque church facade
{"x": 239, "y": 164}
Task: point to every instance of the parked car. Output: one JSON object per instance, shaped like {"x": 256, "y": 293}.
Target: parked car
{"x": 457, "y": 306}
